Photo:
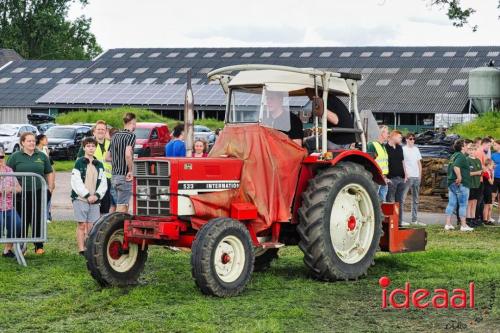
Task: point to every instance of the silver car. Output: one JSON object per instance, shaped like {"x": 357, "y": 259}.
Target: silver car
{"x": 205, "y": 133}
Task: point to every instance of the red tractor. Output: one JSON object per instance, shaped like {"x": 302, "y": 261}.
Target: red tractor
{"x": 257, "y": 191}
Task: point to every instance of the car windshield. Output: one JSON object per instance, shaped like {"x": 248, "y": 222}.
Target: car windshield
{"x": 8, "y": 130}
{"x": 268, "y": 106}
{"x": 60, "y": 133}
{"x": 142, "y": 133}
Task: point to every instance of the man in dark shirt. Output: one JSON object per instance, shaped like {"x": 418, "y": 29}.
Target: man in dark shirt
{"x": 338, "y": 116}
{"x": 344, "y": 120}
{"x": 397, "y": 175}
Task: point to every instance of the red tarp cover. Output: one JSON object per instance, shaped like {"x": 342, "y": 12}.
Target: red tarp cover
{"x": 269, "y": 176}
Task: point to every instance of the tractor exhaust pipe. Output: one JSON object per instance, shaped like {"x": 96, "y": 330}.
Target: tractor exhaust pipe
{"x": 189, "y": 117}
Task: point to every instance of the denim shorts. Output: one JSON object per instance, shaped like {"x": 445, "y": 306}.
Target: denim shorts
{"x": 458, "y": 195}
{"x": 122, "y": 189}
{"x": 85, "y": 212}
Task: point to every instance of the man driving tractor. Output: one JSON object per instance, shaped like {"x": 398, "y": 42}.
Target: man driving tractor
{"x": 279, "y": 118}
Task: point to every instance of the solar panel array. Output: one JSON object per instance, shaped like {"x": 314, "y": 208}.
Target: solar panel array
{"x": 396, "y": 79}
{"x": 132, "y": 94}
{"x": 144, "y": 95}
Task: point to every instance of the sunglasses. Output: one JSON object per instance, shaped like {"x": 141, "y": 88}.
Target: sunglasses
{"x": 411, "y": 139}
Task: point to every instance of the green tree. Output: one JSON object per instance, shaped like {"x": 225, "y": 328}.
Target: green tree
{"x": 458, "y": 14}
{"x": 40, "y": 29}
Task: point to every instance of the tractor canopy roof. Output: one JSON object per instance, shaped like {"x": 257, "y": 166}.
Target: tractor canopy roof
{"x": 277, "y": 80}
{"x": 282, "y": 78}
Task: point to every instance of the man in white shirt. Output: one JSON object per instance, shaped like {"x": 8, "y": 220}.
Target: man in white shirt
{"x": 413, "y": 163}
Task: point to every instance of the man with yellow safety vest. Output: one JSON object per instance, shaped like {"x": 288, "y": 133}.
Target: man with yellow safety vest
{"x": 99, "y": 132}
{"x": 377, "y": 148}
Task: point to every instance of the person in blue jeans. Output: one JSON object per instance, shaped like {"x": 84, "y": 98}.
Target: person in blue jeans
{"x": 458, "y": 186}
{"x": 9, "y": 218}
{"x": 176, "y": 147}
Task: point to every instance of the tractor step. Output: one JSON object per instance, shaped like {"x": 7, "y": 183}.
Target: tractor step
{"x": 271, "y": 245}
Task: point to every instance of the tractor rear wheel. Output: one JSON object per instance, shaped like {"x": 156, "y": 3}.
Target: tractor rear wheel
{"x": 340, "y": 222}
{"x": 107, "y": 262}
{"x": 222, "y": 257}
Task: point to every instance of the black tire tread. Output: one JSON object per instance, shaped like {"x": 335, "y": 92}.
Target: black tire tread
{"x": 312, "y": 236}
{"x": 94, "y": 254}
{"x": 201, "y": 265}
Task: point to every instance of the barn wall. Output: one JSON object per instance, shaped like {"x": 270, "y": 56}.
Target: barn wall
{"x": 14, "y": 115}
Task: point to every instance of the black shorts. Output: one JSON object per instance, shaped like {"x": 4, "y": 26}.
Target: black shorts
{"x": 474, "y": 193}
{"x": 496, "y": 185}
{"x": 487, "y": 198}
{"x": 106, "y": 200}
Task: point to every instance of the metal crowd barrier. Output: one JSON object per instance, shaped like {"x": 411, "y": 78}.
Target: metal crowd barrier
{"x": 26, "y": 221}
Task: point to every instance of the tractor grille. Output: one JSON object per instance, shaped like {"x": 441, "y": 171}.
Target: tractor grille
{"x": 152, "y": 168}
{"x": 152, "y": 191}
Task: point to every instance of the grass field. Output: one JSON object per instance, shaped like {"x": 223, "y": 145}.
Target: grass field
{"x": 64, "y": 166}
{"x": 56, "y": 294}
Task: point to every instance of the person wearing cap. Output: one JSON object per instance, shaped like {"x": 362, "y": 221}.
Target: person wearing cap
{"x": 9, "y": 218}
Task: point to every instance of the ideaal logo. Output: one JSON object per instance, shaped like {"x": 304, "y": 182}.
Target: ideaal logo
{"x": 423, "y": 298}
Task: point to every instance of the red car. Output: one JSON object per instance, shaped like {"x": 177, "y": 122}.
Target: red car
{"x": 151, "y": 139}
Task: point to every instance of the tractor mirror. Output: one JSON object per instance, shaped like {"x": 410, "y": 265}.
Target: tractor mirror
{"x": 318, "y": 107}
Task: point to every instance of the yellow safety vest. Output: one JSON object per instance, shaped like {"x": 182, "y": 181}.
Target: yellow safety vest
{"x": 382, "y": 157}
{"x": 99, "y": 155}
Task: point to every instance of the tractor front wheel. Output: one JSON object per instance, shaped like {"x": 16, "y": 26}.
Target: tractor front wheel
{"x": 340, "y": 222}
{"x": 108, "y": 263}
{"x": 222, "y": 257}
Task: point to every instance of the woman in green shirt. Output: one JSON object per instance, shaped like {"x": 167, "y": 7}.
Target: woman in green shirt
{"x": 458, "y": 186}
{"x": 29, "y": 201}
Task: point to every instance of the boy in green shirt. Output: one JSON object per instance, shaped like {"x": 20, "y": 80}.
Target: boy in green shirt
{"x": 475, "y": 182}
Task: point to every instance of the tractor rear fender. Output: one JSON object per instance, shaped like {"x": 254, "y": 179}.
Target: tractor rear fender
{"x": 313, "y": 162}
{"x": 356, "y": 156}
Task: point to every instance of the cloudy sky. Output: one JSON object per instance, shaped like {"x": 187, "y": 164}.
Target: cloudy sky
{"x": 229, "y": 23}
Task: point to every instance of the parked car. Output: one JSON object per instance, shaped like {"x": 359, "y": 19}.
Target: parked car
{"x": 10, "y": 133}
{"x": 151, "y": 139}
{"x": 65, "y": 140}
{"x": 42, "y": 121}
{"x": 205, "y": 133}
{"x": 42, "y": 128}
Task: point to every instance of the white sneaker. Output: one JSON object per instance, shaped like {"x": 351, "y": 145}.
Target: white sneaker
{"x": 492, "y": 220}
{"x": 422, "y": 224}
{"x": 449, "y": 227}
{"x": 405, "y": 224}
{"x": 466, "y": 228}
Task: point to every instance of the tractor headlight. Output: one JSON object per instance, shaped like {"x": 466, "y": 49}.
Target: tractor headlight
{"x": 163, "y": 193}
{"x": 142, "y": 192}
